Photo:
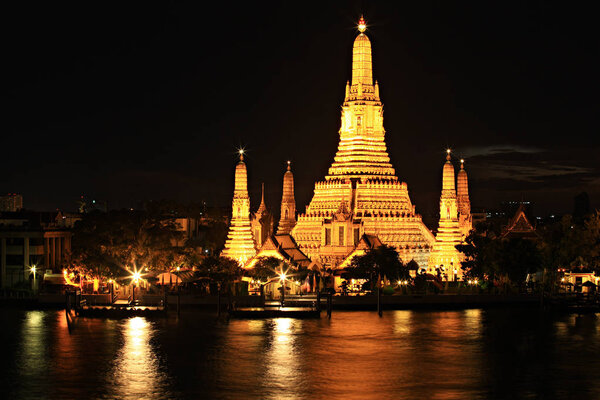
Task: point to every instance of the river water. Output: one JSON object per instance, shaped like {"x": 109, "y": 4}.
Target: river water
{"x": 467, "y": 354}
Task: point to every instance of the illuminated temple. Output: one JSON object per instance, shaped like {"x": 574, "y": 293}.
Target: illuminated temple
{"x": 361, "y": 193}
{"x": 360, "y": 204}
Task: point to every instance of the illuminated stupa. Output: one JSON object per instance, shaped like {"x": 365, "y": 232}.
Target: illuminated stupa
{"x": 445, "y": 256}
{"x": 361, "y": 193}
{"x": 240, "y": 243}
{"x": 465, "y": 219}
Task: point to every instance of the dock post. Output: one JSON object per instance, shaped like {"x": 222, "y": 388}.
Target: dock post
{"x": 318, "y": 301}
{"x": 329, "y": 301}
{"x": 165, "y": 299}
{"x": 379, "y": 310}
{"x": 219, "y": 301}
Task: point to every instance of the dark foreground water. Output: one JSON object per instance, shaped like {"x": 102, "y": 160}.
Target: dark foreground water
{"x": 406, "y": 354}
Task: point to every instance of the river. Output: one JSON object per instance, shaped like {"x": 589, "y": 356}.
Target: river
{"x": 466, "y": 354}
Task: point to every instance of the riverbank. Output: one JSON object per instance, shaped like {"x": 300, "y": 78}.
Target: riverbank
{"x": 349, "y": 303}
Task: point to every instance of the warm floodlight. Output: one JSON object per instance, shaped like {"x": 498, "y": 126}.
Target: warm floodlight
{"x": 136, "y": 276}
{"x": 282, "y": 277}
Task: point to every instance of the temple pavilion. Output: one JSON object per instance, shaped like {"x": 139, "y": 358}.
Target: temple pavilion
{"x": 361, "y": 200}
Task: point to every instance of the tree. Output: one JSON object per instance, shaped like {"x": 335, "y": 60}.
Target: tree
{"x": 107, "y": 244}
{"x": 380, "y": 262}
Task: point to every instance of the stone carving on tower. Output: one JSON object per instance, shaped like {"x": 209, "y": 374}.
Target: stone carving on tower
{"x": 262, "y": 222}
{"x": 240, "y": 243}
{"x": 445, "y": 256}
{"x": 363, "y": 177}
{"x": 287, "y": 220}
{"x": 465, "y": 219}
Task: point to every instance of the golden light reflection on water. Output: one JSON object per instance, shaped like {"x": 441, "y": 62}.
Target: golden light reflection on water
{"x": 282, "y": 360}
{"x": 34, "y": 353}
{"x": 136, "y": 367}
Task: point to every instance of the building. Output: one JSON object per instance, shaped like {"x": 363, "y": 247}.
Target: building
{"x": 12, "y": 202}
{"x": 445, "y": 258}
{"x": 519, "y": 226}
{"x": 361, "y": 193}
{"x": 32, "y": 239}
{"x": 240, "y": 243}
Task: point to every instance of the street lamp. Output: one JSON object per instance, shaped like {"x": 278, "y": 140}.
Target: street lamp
{"x": 32, "y": 269}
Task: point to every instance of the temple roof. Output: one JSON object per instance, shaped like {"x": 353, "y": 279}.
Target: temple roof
{"x": 519, "y": 226}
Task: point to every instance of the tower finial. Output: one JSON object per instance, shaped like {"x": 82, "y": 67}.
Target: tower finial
{"x": 448, "y": 154}
{"x": 241, "y": 151}
{"x": 289, "y": 165}
{"x": 362, "y": 24}
{"x": 462, "y": 163}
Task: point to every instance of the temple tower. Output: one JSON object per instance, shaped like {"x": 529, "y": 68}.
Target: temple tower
{"x": 240, "y": 244}
{"x": 445, "y": 256}
{"x": 361, "y": 193}
{"x": 261, "y": 222}
{"x": 465, "y": 220}
{"x": 287, "y": 220}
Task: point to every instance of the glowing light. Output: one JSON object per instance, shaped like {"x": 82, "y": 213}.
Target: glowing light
{"x": 282, "y": 276}
{"x": 362, "y": 25}
{"x": 178, "y": 269}
{"x": 448, "y": 151}
{"x": 33, "y": 268}
{"x": 136, "y": 276}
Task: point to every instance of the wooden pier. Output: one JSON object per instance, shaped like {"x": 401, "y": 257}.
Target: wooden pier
{"x": 297, "y": 306}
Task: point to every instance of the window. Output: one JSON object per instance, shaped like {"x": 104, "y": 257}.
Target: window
{"x": 341, "y": 235}
{"x": 356, "y": 235}
{"x": 286, "y": 213}
{"x": 327, "y": 236}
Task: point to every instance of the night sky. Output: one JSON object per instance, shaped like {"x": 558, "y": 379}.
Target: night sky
{"x": 130, "y": 102}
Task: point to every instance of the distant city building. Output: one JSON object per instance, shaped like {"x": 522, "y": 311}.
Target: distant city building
{"x": 28, "y": 239}
{"x": 11, "y": 202}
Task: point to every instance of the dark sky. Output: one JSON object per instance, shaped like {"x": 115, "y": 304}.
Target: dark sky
{"x": 126, "y": 102}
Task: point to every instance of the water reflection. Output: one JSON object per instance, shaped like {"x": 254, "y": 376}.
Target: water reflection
{"x": 283, "y": 377}
{"x": 496, "y": 353}
{"x": 34, "y": 352}
{"x": 137, "y": 370}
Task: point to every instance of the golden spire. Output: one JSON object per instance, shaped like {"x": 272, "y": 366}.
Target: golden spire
{"x": 462, "y": 182}
{"x": 262, "y": 208}
{"x": 362, "y": 71}
{"x": 448, "y": 174}
{"x": 287, "y": 220}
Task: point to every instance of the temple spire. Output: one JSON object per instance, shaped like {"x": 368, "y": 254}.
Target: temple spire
{"x": 262, "y": 207}
{"x": 287, "y": 220}
{"x": 362, "y": 70}
{"x": 464, "y": 204}
{"x": 240, "y": 243}
{"x": 448, "y": 175}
